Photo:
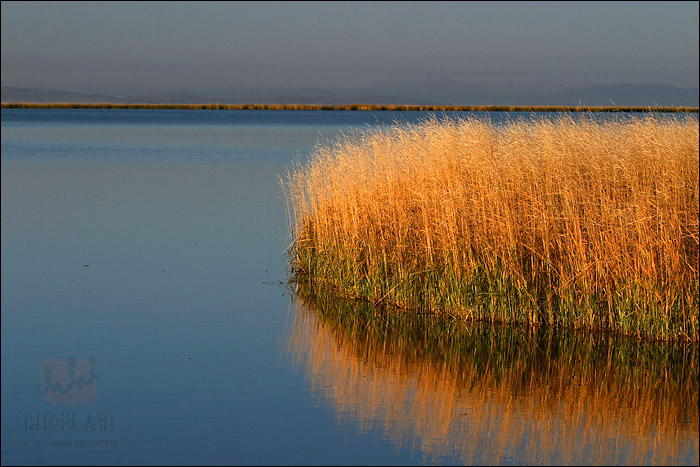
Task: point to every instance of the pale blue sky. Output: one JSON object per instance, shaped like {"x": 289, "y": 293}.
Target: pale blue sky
{"x": 220, "y": 49}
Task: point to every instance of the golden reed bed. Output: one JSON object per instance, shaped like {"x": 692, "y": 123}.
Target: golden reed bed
{"x": 579, "y": 222}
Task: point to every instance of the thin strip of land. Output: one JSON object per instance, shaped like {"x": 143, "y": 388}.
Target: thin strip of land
{"x": 366, "y": 107}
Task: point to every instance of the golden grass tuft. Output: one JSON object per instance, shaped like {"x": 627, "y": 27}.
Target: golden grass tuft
{"x": 574, "y": 222}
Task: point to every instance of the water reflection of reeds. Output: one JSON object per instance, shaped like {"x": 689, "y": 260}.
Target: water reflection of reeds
{"x": 479, "y": 393}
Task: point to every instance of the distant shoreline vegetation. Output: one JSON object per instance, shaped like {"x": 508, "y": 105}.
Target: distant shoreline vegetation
{"x": 366, "y": 107}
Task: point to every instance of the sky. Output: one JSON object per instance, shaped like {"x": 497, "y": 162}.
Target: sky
{"x": 228, "y": 48}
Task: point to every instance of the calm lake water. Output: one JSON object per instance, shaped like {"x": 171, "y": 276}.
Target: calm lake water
{"x": 144, "y": 321}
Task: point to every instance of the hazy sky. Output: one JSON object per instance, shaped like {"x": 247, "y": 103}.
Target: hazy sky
{"x": 219, "y": 49}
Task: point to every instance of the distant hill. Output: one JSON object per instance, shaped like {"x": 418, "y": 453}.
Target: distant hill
{"x": 633, "y": 94}
{"x": 617, "y": 94}
{"x": 601, "y": 95}
{"x": 12, "y": 94}
{"x": 24, "y": 95}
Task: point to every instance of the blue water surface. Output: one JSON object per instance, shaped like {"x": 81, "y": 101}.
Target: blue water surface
{"x": 154, "y": 241}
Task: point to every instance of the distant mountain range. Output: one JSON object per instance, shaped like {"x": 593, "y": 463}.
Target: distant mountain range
{"x": 601, "y": 95}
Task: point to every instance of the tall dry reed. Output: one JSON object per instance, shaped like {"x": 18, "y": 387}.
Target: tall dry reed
{"x": 575, "y": 222}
